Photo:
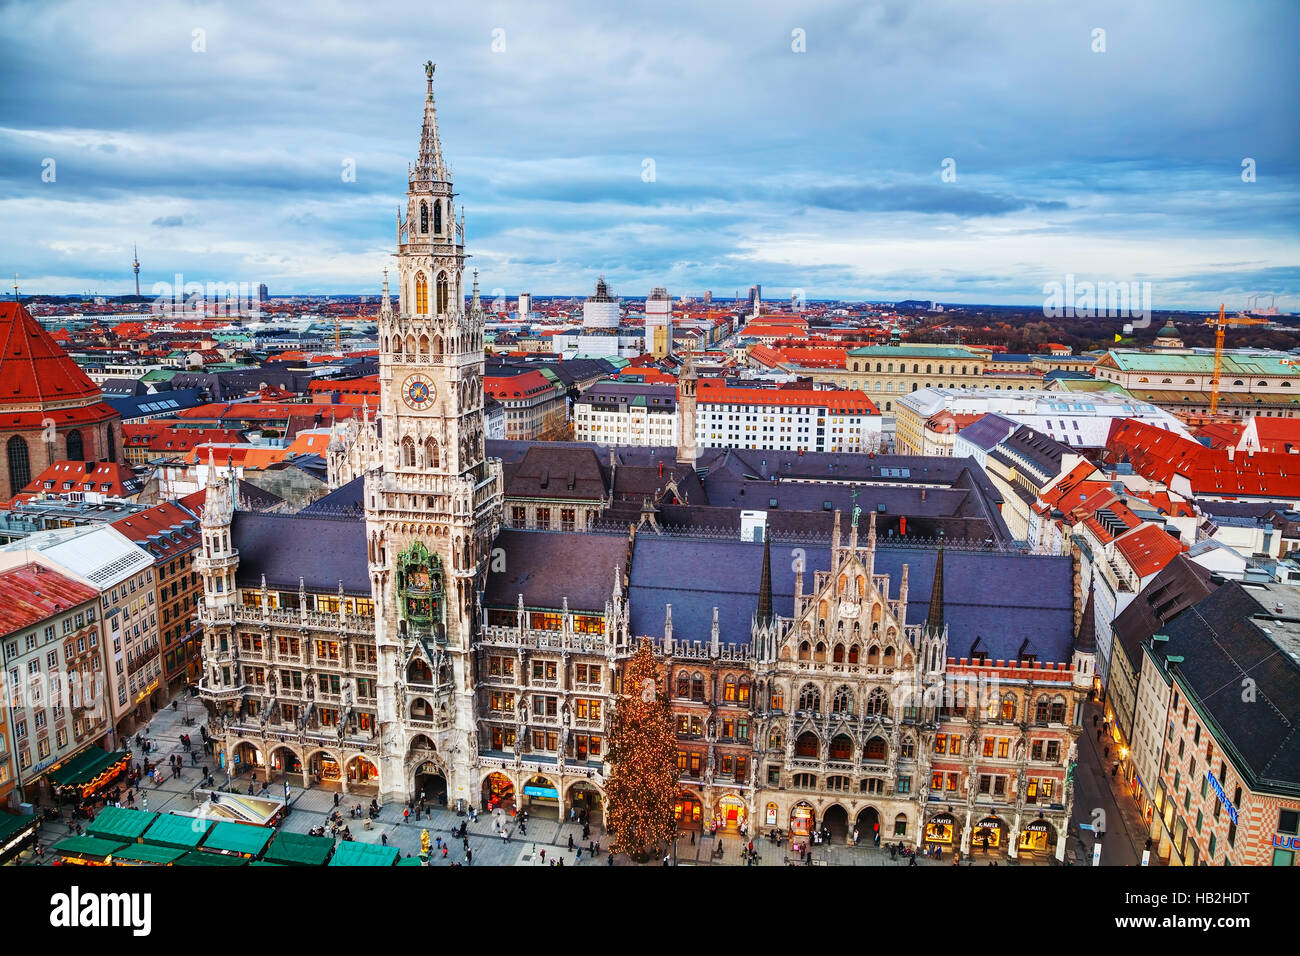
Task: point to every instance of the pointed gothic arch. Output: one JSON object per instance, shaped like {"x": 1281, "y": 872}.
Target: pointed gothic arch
{"x": 421, "y": 299}
{"x": 431, "y": 452}
{"x": 20, "y": 465}
{"x": 408, "y": 452}
{"x": 76, "y": 450}
{"x": 424, "y": 346}
{"x": 437, "y": 346}
{"x": 437, "y": 218}
{"x": 442, "y": 293}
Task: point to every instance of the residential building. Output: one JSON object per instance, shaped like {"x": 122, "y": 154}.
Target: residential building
{"x": 626, "y": 413}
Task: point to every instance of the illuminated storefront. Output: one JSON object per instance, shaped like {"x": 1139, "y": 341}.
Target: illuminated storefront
{"x": 687, "y": 810}
{"x": 941, "y": 829}
{"x": 541, "y": 794}
{"x": 1037, "y": 836}
{"x": 498, "y": 791}
{"x": 731, "y": 813}
{"x": 802, "y": 819}
{"x": 325, "y": 768}
{"x": 987, "y": 835}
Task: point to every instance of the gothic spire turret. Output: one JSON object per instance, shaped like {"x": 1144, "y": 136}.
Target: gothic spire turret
{"x": 385, "y": 302}
{"x": 934, "y": 620}
{"x": 475, "y": 305}
{"x": 429, "y": 167}
{"x": 765, "y": 582}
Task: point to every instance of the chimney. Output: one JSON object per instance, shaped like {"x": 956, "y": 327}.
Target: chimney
{"x": 1230, "y": 451}
{"x": 902, "y": 525}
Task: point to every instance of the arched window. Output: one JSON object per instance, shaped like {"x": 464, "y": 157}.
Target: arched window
{"x": 838, "y": 655}
{"x": 807, "y": 744}
{"x": 697, "y": 686}
{"x": 408, "y": 452}
{"x": 431, "y": 452}
{"x": 75, "y": 450}
{"x": 888, "y": 660}
{"x": 873, "y": 655}
{"x": 1058, "y": 710}
{"x": 805, "y": 650}
{"x": 442, "y": 293}
{"x": 421, "y": 296}
{"x": 1008, "y": 708}
{"x": 437, "y": 345}
{"x": 424, "y": 346}
{"x": 878, "y": 703}
{"x": 729, "y": 689}
{"x": 683, "y": 684}
{"x": 820, "y": 653}
{"x": 810, "y": 698}
{"x": 437, "y": 217}
{"x": 854, "y": 653}
{"x": 424, "y": 217}
{"x": 20, "y": 466}
{"x": 841, "y": 747}
{"x": 843, "y": 701}
{"x": 875, "y": 749}
{"x": 742, "y": 691}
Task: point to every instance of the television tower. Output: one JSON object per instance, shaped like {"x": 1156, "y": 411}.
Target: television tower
{"x": 135, "y": 264}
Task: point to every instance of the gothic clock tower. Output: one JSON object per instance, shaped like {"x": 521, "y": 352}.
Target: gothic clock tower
{"x": 434, "y": 506}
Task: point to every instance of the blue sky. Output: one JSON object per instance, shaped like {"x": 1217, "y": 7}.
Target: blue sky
{"x": 819, "y": 170}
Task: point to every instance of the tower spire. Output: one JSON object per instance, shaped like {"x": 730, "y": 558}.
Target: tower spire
{"x": 934, "y": 620}
{"x": 430, "y": 167}
{"x": 474, "y": 303}
{"x": 765, "y": 581}
{"x": 385, "y": 303}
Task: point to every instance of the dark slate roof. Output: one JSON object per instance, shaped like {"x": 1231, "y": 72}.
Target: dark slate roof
{"x": 548, "y": 566}
{"x": 165, "y": 404}
{"x": 1179, "y": 585}
{"x": 347, "y": 499}
{"x": 998, "y": 597}
{"x": 255, "y": 498}
{"x": 321, "y": 551}
{"x": 1027, "y": 444}
{"x": 546, "y": 471}
{"x": 1245, "y": 509}
{"x": 1220, "y": 644}
{"x": 987, "y": 430}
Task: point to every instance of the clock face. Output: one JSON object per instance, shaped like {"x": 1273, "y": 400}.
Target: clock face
{"x": 417, "y": 391}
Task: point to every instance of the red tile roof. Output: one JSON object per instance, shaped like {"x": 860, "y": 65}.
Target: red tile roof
{"x": 101, "y": 477}
{"x": 711, "y": 391}
{"x": 31, "y": 593}
{"x": 1148, "y": 549}
{"x": 154, "y": 529}
{"x": 516, "y": 386}
{"x": 1163, "y": 456}
{"x": 33, "y": 369}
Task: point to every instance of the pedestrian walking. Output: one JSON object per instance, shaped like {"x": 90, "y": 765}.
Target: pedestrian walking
{"x": 337, "y": 797}
{"x": 406, "y": 814}
{"x": 383, "y": 838}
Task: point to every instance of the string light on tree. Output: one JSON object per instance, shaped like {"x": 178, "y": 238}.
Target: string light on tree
{"x": 642, "y": 785}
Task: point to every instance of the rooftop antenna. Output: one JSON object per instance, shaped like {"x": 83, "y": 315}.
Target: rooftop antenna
{"x": 135, "y": 264}
{"x": 16, "y": 299}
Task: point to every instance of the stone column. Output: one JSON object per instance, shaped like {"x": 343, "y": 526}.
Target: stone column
{"x": 965, "y": 835}
{"x": 1014, "y": 838}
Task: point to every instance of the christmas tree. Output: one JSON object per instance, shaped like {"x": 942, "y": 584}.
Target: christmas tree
{"x": 643, "y": 751}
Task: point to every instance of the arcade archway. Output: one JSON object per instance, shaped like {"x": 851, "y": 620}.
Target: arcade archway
{"x": 430, "y": 783}
{"x": 868, "y": 826}
{"x": 688, "y": 811}
{"x": 835, "y": 820}
{"x": 803, "y": 818}
{"x": 1037, "y": 841}
{"x": 498, "y": 791}
{"x": 541, "y": 798}
{"x": 587, "y": 800}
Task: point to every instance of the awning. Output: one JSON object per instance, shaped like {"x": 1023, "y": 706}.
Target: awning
{"x": 15, "y": 830}
{"x": 410, "y": 861}
{"x": 85, "y": 767}
{"x": 87, "y": 847}
{"x": 242, "y": 838}
{"x": 172, "y": 830}
{"x": 299, "y": 849}
{"x": 351, "y": 853}
{"x": 120, "y": 824}
{"x": 144, "y": 853}
{"x": 199, "y": 858}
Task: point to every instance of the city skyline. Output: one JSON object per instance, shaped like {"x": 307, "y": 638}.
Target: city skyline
{"x": 1122, "y": 165}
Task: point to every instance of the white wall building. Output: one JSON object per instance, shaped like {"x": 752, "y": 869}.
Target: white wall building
{"x": 601, "y": 310}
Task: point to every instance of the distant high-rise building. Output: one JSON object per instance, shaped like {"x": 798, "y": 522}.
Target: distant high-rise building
{"x": 135, "y": 264}
{"x": 525, "y": 304}
{"x": 659, "y": 323}
{"x": 708, "y": 296}
{"x": 263, "y": 293}
{"x": 600, "y": 311}
{"x": 755, "y": 299}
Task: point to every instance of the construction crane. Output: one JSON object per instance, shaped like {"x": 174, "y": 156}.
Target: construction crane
{"x": 1221, "y": 323}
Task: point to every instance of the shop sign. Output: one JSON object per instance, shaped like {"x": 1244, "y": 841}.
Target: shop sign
{"x": 547, "y": 793}
{"x": 1286, "y": 842}
{"x": 1218, "y": 790}
{"x": 1038, "y": 826}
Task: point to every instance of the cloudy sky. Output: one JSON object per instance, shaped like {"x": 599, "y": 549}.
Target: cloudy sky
{"x": 696, "y": 146}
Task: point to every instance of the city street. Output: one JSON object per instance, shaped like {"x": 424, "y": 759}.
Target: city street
{"x": 1095, "y": 788}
